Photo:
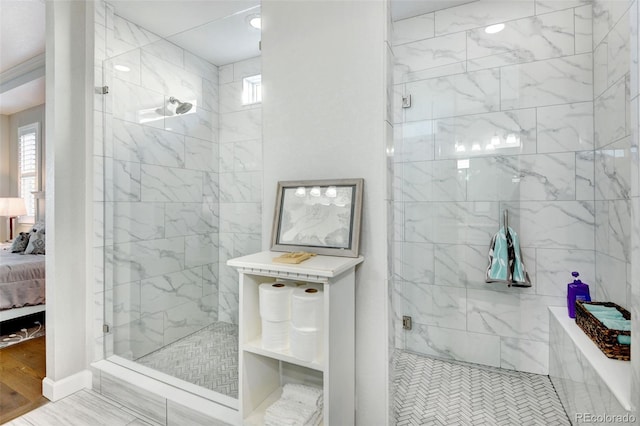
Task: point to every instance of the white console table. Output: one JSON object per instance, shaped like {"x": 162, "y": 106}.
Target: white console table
{"x": 262, "y": 373}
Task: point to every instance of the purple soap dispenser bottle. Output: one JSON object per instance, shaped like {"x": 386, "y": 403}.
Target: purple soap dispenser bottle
{"x": 577, "y": 290}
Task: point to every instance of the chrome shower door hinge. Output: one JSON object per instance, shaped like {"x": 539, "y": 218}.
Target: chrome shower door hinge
{"x": 406, "y": 322}
{"x": 104, "y": 90}
{"x": 105, "y": 328}
{"x": 406, "y": 101}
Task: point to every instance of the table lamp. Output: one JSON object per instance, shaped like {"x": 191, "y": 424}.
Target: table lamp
{"x": 12, "y": 207}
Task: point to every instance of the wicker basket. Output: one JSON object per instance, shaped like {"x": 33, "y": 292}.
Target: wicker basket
{"x": 605, "y": 338}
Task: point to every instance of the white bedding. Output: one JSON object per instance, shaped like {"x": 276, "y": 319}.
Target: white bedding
{"x": 22, "y": 279}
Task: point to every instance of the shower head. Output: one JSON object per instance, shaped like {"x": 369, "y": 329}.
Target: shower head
{"x": 183, "y": 107}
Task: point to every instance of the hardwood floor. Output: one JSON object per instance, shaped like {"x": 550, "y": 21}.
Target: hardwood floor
{"x": 22, "y": 368}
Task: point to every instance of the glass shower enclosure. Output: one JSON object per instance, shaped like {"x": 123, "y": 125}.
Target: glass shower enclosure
{"x": 170, "y": 301}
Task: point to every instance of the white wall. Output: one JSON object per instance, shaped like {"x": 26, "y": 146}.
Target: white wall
{"x": 5, "y": 164}
{"x": 324, "y": 117}
{"x": 68, "y": 92}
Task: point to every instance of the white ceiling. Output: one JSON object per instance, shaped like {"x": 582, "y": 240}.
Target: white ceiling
{"x": 215, "y": 30}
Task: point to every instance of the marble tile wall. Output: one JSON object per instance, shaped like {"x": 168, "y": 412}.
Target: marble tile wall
{"x": 240, "y": 179}
{"x": 498, "y": 121}
{"x": 613, "y": 149}
{"x": 158, "y": 203}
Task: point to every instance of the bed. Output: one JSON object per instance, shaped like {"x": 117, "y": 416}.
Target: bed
{"x": 22, "y": 284}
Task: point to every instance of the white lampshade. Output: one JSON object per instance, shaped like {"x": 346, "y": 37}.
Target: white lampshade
{"x": 11, "y": 207}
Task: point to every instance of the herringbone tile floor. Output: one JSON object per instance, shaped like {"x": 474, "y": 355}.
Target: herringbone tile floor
{"x": 441, "y": 393}
{"x": 207, "y": 358}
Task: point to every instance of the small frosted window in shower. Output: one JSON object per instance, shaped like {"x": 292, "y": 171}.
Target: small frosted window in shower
{"x": 252, "y": 90}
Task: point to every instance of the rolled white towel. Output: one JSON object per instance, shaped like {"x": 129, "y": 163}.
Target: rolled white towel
{"x": 308, "y": 395}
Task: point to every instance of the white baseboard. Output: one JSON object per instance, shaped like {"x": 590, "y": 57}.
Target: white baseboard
{"x": 56, "y": 390}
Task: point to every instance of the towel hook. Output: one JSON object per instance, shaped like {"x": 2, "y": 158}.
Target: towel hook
{"x": 506, "y": 219}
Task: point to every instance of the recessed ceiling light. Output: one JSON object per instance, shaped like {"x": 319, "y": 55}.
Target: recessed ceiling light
{"x": 492, "y": 29}
{"x": 255, "y": 21}
{"x": 122, "y": 68}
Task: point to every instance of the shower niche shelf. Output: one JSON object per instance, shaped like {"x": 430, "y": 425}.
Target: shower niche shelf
{"x": 262, "y": 372}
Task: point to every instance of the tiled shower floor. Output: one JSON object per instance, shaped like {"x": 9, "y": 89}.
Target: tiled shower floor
{"x": 207, "y": 358}
{"x": 435, "y": 392}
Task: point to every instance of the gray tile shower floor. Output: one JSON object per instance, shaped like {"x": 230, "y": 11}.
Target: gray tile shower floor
{"x": 435, "y": 392}
{"x": 207, "y": 358}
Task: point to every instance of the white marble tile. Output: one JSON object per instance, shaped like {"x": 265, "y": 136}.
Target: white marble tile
{"x": 246, "y": 68}
{"x": 434, "y": 305}
{"x": 609, "y": 115}
{"x": 229, "y": 303}
{"x": 186, "y": 319}
{"x": 170, "y": 184}
{"x": 144, "y": 144}
{"x": 585, "y": 175}
{"x": 460, "y": 265}
{"x": 415, "y": 262}
{"x": 600, "y": 68}
{"x": 433, "y": 181}
{"x": 197, "y": 123}
{"x": 610, "y": 279}
{"x": 618, "y": 48}
{"x": 169, "y": 79}
{"x": 227, "y": 157}
{"x": 240, "y": 187}
{"x": 200, "y": 249}
{"x": 553, "y": 81}
{"x": 480, "y": 14}
{"x": 167, "y": 291}
{"x": 613, "y": 221}
{"x": 201, "y": 154}
{"x": 430, "y": 53}
{"x": 247, "y": 156}
{"x": 442, "y": 71}
{"x": 138, "y": 338}
{"x": 612, "y": 171}
{"x": 524, "y": 355}
{"x": 130, "y": 60}
{"x": 131, "y": 33}
{"x": 83, "y": 407}
{"x": 584, "y": 29}
{"x": 225, "y": 74}
{"x": 138, "y": 221}
{"x": 482, "y": 134}
{"x": 241, "y": 217}
{"x": 125, "y": 300}
{"x": 516, "y": 315}
{"x": 180, "y": 415}
{"x": 231, "y": 98}
{"x": 210, "y": 277}
{"x": 554, "y": 269}
{"x": 414, "y": 141}
{"x": 460, "y": 94}
{"x": 606, "y": 13}
{"x": 143, "y": 401}
{"x": 144, "y": 259}
{"x": 122, "y": 180}
{"x": 524, "y": 177}
{"x": 210, "y": 186}
{"x": 553, "y": 224}
{"x": 196, "y": 65}
{"x": 563, "y": 128}
{"x": 137, "y": 104}
{"x": 546, "y": 6}
{"x": 454, "y": 222}
{"x": 457, "y": 344}
{"x": 191, "y": 218}
{"x": 165, "y": 50}
{"x": 412, "y": 29}
{"x": 241, "y": 126}
{"x": 529, "y": 39}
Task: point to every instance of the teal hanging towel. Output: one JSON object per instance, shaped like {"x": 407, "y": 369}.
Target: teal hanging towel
{"x": 505, "y": 260}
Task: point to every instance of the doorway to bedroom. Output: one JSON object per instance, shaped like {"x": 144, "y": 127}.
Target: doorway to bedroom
{"x": 181, "y": 191}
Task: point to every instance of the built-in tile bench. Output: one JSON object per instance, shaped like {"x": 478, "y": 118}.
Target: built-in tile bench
{"x": 588, "y": 383}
